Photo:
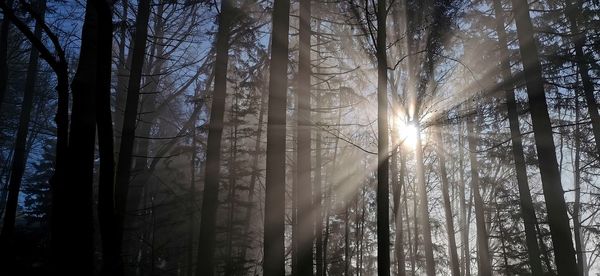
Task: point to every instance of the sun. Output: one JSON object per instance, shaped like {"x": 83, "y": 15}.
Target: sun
{"x": 408, "y": 134}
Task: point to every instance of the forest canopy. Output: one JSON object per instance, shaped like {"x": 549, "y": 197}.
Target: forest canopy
{"x": 300, "y": 137}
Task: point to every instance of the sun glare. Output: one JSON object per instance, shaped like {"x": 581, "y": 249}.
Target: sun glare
{"x": 408, "y": 134}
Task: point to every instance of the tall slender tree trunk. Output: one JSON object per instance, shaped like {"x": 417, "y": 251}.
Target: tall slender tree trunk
{"x": 210, "y": 197}
{"x": 111, "y": 251}
{"x": 423, "y": 207}
{"x": 573, "y": 12}
{"x": 452, "y": 252}
{"x": 318, "y": 193}
{"x": 4, "y": 31}
{"x": 124, "y": 62}
{"x": 398, "y": 184}
{"x": 274, "y": 228}
{"x": 147, "y": 114}
{"x": 383, "y": 220}
{"x": 124, "y": 163}
{"x": 525, "y": 200}
{"x": 77, "y": 254}
{"x": 484, "y": 264}
{"x": 580, "y": 251}
{"x": 19, "y": 158}
{"x": 542, "y": 130}
{"x": 464, "y": 223}
{"x": 305, "y": 236}
{"x": 255, "y": 170}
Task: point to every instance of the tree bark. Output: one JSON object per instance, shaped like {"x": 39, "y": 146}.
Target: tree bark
{"x": 305, "y": 237}
{"x": 383, "y": 220}
{"x": 423, "y": 207}
{"x": 274, "y": 228}
{"x": 525, "y": 200}
{"x": 484, "y": 264}
{"x": 454, "y": 265}
{"x": 77, "y": 248}
{"x": 131, "y": 110}
{"x": 4, "y": 30}
{"x": 542, "y": 130}
{"x": 573, "y": 12}
{"x": 212, "y": 175}
{"x": 580, "y": 251}
{"x": 111, "y": 243}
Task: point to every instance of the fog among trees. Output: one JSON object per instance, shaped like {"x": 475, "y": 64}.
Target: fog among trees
{"x": 344, "y": 137}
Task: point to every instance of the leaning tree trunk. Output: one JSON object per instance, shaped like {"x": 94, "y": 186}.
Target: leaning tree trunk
{"x": 274, "y": 224}
{"x": 212, "y": 176}
{"x": 304, "y": 236}
{"x": 383, "y": 220}
{"x": 527, "y": 209}
{"x": 19, "y": 158}
{"x": 484, "y": 264}
{"x": 542, "y": 130}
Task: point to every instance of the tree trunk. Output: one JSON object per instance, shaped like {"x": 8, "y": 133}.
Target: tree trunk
{"x": 383, "y": 220}
{"x": 130, "y": 115}
{"x": 423, "y": 207}
{"x": 274, "y": 228}
{"x": 19, "y": 158}
{"x": 573, "y": 12}
{"x": 454, "y": 266}
{"x": 484, "y": 264}
{"x": 542, "y": 129}
{"x": 122, "y": 74}
{"x": 527, "y": 209}
{"x": 580, "y": 251}
{"x": 305, "y": 237}
{"x": 318, "y": 193}
{"x": 111, "y": 244}
{"x": 4, "y": 30}
{"x": 210, "y": 197}
{"x": 77, "y": 248}
{"x": 464, "y": 228}
{"x": 398, "y": 184}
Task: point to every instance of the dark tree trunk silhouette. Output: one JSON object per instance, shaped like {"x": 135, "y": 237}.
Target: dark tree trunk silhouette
{"x": 274, "y": 251}
{"x": 578, "y": 37}
{"x": 577, "y": 229}
{"x": 527, "y": 209}
{"x": 111, "y": 251}
{"x": 304, "y": 236}
{"x": 383, "y": 220}
{"x": 77, "y": 251}
{"x": 124, "y": 61}
{"x": 542, "y": 130}
{"x": 213, "y": 152}
{"x": 4, "y": 30}
{"x": 131, "y": 110}
{"x": 484, "y": 264}
{"x": 452, "y": 252}
{"x": 19, "y": 158}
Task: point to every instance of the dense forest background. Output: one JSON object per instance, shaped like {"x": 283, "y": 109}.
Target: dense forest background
{"x": 323, "y": 137}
